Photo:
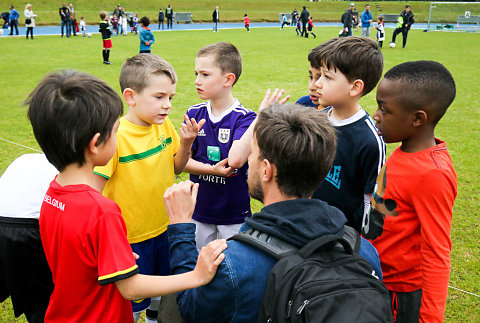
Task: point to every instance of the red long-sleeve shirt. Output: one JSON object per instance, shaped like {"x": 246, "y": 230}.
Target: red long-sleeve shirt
{"x": 416, "y": 191}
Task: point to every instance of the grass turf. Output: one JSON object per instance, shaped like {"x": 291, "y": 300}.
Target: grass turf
{"x": 271, "y": 58}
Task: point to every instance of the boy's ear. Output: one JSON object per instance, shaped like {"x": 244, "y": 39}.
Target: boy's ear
{"x": 92, "y": 145}
{"x": 229, "y": 79}
{"x": 420, "y": 117}
{"x": 357, "y": 88}
{"x": 129, "y": 96}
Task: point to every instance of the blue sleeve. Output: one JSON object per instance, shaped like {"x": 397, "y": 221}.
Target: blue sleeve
{"x": 142, "y": 36}
{"x": 152, "y": 40}
{"x": 365, "y": 18}
{"x": 208, "y": 303}
{"x": 370, "y": 254}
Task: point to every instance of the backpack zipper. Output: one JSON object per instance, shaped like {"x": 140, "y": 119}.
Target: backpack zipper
{"x": 301, "y": 308}
{"x": 289, "y": 307}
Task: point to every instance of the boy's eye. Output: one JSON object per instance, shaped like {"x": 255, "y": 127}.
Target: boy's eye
{"x": 159, "y": 97}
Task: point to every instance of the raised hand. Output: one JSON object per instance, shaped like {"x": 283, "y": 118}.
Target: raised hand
{"x": 275, "y": 97}
{"x": 180, "y": 200}
{"x": 189, "y": 130}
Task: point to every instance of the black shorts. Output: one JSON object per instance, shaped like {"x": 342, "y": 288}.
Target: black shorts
{"x": 24, "y": 271}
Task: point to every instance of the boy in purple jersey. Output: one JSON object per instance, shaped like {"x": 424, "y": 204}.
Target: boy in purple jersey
{"x": 218, "y": 158}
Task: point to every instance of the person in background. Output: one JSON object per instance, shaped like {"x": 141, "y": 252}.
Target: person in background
{"x": 73, "y": 20}
{"x": 83, "y": 26}
{"x": 169, "y": 15}
{"x": 13, "y": 19}
{"x": 29, "y": 20}
{"x": 161, "y": 18}
{"x": 310, "y": 27}
{"x": 347, "y": 20}
{"x": 246, "y": 20}
{"x": 146, "y": 36}
{"x": 64, "y": 13}
{"x": 304, "y": 19}
{"x": 215, "y": 18}
{"x": 124, "y": 25}
{"x": 405, "y": 22}
{"x": 380, "y": 27}
{"x": 366, "y": 19}
{"x": 104, "y": 29}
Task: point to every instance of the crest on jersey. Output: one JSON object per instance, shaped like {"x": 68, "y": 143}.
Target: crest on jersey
{"x": 223, "y": 135}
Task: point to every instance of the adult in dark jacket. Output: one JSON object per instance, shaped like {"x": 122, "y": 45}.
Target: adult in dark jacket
{"x": 64, "y": 13}
{"x": 169, "y": 15}
{"x": 292, "y": 150}
{"x": 161, "y": 18}
{"x": 215, "y": 18}
{"x": 347, "y": 20}
{"x": 304, "y": 19}
{"x": 406, "y": 21}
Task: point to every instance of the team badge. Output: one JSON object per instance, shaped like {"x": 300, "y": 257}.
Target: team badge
{"x": 223, "y": 135}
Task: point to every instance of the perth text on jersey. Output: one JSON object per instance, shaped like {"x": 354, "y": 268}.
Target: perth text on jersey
{"x": 53, "y": 202}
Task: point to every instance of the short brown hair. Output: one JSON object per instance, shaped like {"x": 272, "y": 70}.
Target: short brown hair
{"x": 103, "y": 14}
{"x": 355, "y": 57}
{"x": 226, "y": 55}
{"x": 300, "y": 142}
{"x": 137, "y": 69}
{"x": 67, "y": 109}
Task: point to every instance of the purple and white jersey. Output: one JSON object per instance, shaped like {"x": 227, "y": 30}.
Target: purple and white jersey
{"x": 220, "y": 200}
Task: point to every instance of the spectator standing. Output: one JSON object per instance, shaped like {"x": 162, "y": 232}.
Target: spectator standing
{"x": 161, "y": 18}
{"x": 29, "y": 20}
{"x": 347, "y": 20}
{"x": 380, "y": 31}
{"x": 405, "y": 22}
{"x": 135, "y": 23}
{"x": 304, "y": 19}
{"x": 13, "y": 19}
{"x": 294, "y": 15}
{"x": 146, "y": 36}
{"x": 215, "y": 18}
{"x": 169, "y": 15}
{"x": 124, "y": 25}
{"x": 366, "y": 18}
{"x": 83, "y": 26}
{"x": 246, "y": 20}
{"x": 64, "y": 13}
{"x": 118, "y": 11}
{"x": 114, "y": 23}
{"x": 104, "y": 29}
{"x": 73, "y": 20}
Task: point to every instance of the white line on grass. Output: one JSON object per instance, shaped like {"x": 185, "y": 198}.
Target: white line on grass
{"x": 463, "y": 291}
{"x": 12, "y": 142}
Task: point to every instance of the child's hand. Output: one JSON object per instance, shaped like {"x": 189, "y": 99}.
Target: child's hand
{"x": 147, "y": 43}
{"x": 190, "y": 129}
{"x": 275, "y": 97}
{"x": 180, "y": 200}
{"x": 208, "y": 261}
{"x": 221, "y": 169}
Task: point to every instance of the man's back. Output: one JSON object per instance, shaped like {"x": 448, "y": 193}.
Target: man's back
{"x": 236, "y": 292}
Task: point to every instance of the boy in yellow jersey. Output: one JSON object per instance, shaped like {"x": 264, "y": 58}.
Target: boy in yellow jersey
{"x": 148, "y": 154}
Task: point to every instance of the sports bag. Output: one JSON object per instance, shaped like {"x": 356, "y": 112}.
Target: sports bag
{"x": 325, "y": 281}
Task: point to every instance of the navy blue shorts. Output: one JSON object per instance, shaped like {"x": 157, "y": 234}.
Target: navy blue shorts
{"x": 153, "y": 260}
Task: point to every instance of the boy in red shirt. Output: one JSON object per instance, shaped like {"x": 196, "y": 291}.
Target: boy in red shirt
{"x": 410, "y": 219}
{"x": 246, "y": 20}
{"x": 75, "y": 118}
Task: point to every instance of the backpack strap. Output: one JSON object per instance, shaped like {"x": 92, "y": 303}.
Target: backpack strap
{"x": 273, "y": 246}
{"x": 278, "y": 248}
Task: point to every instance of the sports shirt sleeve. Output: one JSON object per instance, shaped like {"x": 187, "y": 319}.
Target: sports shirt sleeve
{"x": 114, "y": 255}
{"x": 372, "y": 158}
{"x": 433, "y": 202}
{"x": 107, "y": 170}
{"x": 242, "y": 125}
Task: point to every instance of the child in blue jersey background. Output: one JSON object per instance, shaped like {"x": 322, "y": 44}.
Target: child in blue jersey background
{"x": 218, "y": 158}
{"x": 146, "y": 36}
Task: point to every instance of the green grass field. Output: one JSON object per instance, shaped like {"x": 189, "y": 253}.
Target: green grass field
{"x": 271, "y": 58}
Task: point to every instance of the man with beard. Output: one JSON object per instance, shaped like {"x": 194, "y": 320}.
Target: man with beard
{"x": 291, "y": 152}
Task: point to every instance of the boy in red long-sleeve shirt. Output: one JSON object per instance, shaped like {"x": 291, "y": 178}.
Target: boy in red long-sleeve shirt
{"x": 410, "y": 219}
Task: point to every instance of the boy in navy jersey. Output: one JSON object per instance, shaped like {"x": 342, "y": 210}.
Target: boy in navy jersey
{"x": 349, "y": 69}
{"x": 218, "y": 159}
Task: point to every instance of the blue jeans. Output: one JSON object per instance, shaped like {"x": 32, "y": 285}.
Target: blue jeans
{"x": 13, "y": 23}
{"x": 66, "y": 25}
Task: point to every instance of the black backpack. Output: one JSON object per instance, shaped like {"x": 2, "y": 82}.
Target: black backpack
{"x": 325, "y": 281}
